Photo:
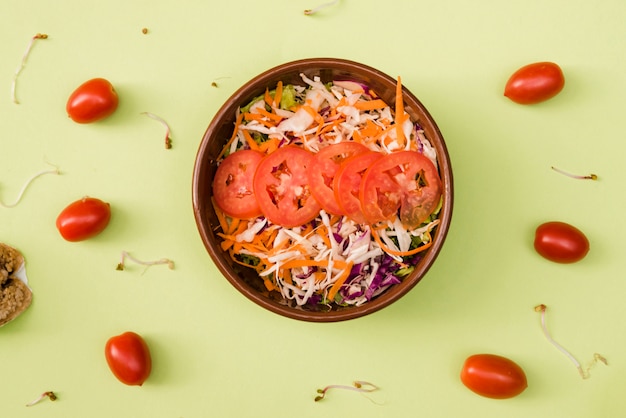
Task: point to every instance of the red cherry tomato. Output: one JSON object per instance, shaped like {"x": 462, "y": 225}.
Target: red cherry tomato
{"x": 535, "y": 83}
{"x": 493, "y": 376}
{"x": 91, "y": 101}
{"x": 233, "y": 184}
{"x": 404, "y": 180}
{"x": 128, "y": 357}
{"x": 322, "y": 172}
{"x": 281, "y": 187}
{"x": 347, "y": 184}
{"x": 83, "y": 219}
{"x": 561, "y": 242}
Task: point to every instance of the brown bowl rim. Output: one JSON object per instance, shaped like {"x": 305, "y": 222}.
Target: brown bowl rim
{"x": 313, "y": 66}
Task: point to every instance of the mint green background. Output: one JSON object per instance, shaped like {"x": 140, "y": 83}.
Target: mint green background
{"x": 217, "y": 354}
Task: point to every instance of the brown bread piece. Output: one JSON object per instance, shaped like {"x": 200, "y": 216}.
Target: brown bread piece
{"x": 15, "y": 295}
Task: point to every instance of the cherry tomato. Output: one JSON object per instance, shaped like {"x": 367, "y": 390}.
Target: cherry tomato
{"x": 535, "y": 83}
{"x": 128, "y": 357}
{"x": 233, "y": 184}
{"x": 561, "y": 242}
{"x": 281, "y": 187}
{"x": 406, "y": 181}
{"x": 83, "y": 219}
{"x": 323, "y": 169}
{"x": 347, "y": 184}
{"x": 493, "y": 376}
{"x": 93, "y": 100}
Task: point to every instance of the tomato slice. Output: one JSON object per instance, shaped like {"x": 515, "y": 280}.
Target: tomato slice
{"x": 281, "y": 186}
{"x": 325, "y": 165}
{"x": 347, "y": 184}
{"x": 406, "y": 181}
{"x": 233, "y": 184}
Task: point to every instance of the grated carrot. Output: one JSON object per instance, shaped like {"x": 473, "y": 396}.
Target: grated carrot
{"x": 370, "y": 130}
{"x": 371, "y": 104}
{"x": 272, "y": 116}
{"x": 254, "y": 247}
{"x": 269, "y": 284}
{"x": 319, "y": 276}
{"x": 308, "y": 228}
{"x": 278, "y": 246}
{"x": 323, "y": 232}
{"x": 220, "y": 215}
{"x": 241, "y": 227}
{"x": 226, "y": 244}
{"x": 400, "y": 118}
{"x": 269, "y": 146}
{"x": 338, "y": 283}
{"x": 232, "y": 227}
{"x": 268, "y": 98}
{"x": 342, "y": 102}
{"x": 334, "y": 219}
{"x": 251, "y": 142}
{"x": 278, "y": 95}
{"x": 232, "y": 138}
{"x": 316, "y": 116}
{"x": 329, "y": 126}
{"x": 287, "y": 277}
{"x": 269, "y": 235}
{"x": 298, "y": 247}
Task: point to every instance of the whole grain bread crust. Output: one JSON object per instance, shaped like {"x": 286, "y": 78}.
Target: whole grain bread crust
{"x": 15, "y": 295}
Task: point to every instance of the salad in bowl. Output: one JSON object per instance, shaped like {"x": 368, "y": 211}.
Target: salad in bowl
{"x": 323, "y": 190}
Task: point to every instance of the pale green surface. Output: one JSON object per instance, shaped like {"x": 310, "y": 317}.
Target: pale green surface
{"x": 217, "y": 354}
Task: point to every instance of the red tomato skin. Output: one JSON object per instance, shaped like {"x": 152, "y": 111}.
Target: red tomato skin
{"x": 93, "y": 100}
{"x": 382, "y": 195}
{"x": 323, "y": 170}
{"x": 129, "y": 359}
{"x": 347, "y": 184}
{"x": 285, "y": 199}
{"x": 234, "y": 175}
{"x": 493, "y": 376}
{"x": 561, "y": 242}
{"x": 535, "y": 83}
{"x": 83, "y": 219}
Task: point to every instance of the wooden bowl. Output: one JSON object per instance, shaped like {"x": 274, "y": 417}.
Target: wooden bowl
{"x": 220, "y": 130}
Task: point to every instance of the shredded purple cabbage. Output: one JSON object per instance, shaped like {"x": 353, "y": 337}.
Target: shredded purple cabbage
{"x": 308, "y": 274}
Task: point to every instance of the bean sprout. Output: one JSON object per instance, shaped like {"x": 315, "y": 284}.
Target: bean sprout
{"x": 320, "y": 7}
{"x": 584, "y": 372}
{"x": 41, "y": 397}
{"x": 358, "y": 386}
{"x": 125, "y": 255}
{"x": 28, "y": 182}
{"x": 23, "y": 64}
{"x": 576, "y": 176}
{"x": 168, "y": 138}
